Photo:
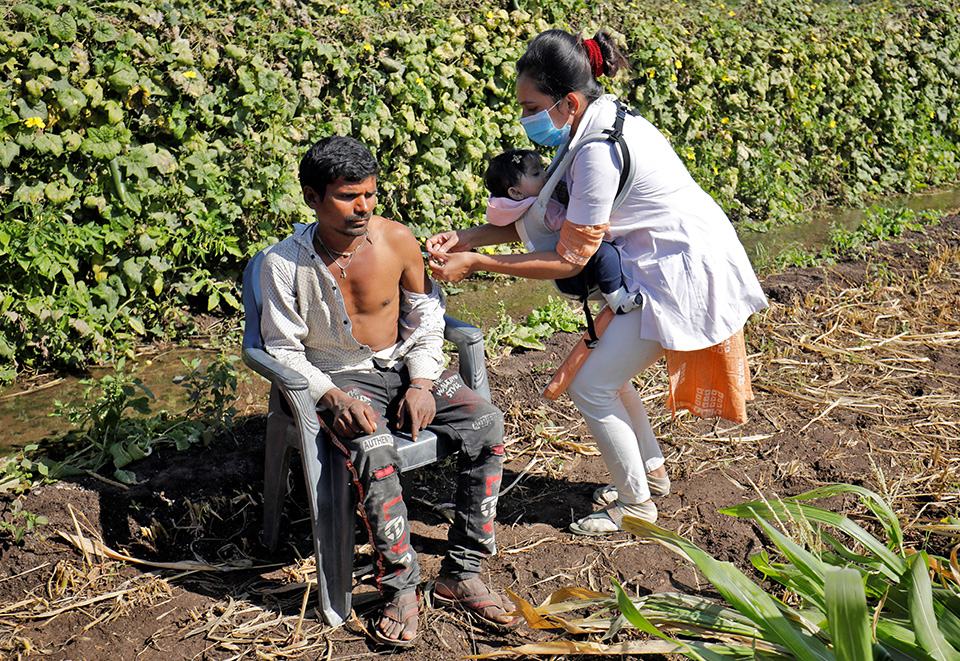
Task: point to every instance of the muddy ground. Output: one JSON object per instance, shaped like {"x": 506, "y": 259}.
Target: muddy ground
{"x": 857, "y": 374}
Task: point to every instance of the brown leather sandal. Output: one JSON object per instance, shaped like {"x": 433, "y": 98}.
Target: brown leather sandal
{"x": 404, "y": 609}
{"x": 475, "y": 598}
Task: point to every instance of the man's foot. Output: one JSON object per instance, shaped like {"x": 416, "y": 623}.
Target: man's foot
{"x": 608, "y": 519}
{"x": 398, "y": 620}
{"x": 476, "y": 598}
{"x": 659, "y": 486}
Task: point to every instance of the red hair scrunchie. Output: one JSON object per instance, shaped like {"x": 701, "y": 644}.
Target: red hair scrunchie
{"x": 596, "y": 57}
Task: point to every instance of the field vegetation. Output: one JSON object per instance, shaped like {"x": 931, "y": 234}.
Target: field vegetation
{"x": 149, "y": 148}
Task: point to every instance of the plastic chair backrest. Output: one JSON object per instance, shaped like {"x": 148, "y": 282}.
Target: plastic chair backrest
{"x": 252, "y": 303}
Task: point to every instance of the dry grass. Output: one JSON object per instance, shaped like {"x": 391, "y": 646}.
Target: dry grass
{"x": 857, "y": 364}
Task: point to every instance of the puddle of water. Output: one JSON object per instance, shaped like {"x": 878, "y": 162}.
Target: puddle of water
{"x": 814, "y": 232}
{"x": 25, "y": 410}
{"x": 480, "y": 304}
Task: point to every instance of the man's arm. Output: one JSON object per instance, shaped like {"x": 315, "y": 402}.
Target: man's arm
{"x": 421, "y": 313}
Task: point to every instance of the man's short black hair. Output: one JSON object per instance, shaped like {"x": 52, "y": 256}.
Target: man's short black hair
{"x": 334, "y": 157}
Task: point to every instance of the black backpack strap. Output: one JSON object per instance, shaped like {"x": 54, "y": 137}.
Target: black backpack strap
{"x": 614, "y": 135}
{"x": 591, "y": 331}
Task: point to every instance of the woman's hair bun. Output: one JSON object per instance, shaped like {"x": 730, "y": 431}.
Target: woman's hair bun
{"x": 613, "y": 59}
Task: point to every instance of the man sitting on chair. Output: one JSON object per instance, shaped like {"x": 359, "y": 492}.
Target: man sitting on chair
{"x": 348, "y": 304}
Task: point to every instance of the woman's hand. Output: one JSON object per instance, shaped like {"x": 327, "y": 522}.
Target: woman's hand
{"x": 452, "y": 267}
{"x": 440, "y": 245}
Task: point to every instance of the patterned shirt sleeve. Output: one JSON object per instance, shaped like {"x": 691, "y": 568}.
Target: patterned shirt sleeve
{"x": 421, "y": 325}
{"x": 578, "y": 243}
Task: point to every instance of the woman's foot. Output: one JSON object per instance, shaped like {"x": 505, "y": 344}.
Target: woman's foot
{"x": 398, "y": 620}
{"x": 659, "y": 486}
{"x": 476, "y": 598}
{"x": 608, "y": 519}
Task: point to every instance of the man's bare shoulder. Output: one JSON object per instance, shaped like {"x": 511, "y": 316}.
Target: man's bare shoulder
{"x": 398, "y": 236}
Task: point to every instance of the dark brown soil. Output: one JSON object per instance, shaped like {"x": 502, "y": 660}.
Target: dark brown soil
{"x": 820, "y": 416}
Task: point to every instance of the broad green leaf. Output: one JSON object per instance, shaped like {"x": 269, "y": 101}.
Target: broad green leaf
{"x": 125, "y": 477}
{"x": 38, "y": 62}
{"x": 741, "y": 593}
{"x": 41, "y": 142}
{"x": 136, "y": 324}
{"x": 923, "y": 616}
{"x": 57, "y": 193}
{"x": 9, "y": 150}
{"x": 124, "y": 76}
{"x": 847, "y": 617}
{"x": 104, "y": 32}
{"x": 63, "y": 27}
{"x": 69, "y": 98}
{"x": 103, "y": 142}
{"x": 135, "y": 162}
{"x": 29, "y": 12}
{"x": 133, "y": 270}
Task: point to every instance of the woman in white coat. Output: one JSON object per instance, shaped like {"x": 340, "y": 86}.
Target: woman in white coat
{"x": 678, "y": 250}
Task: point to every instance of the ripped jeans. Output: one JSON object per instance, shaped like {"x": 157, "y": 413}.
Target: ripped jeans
{"x": 463, "y": 416}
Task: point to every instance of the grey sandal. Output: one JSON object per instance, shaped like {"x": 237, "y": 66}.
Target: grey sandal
{"x": 659, "y": 486}
{"x": 608, "y": 520}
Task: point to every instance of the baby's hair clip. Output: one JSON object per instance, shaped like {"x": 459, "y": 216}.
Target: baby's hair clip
{"x": 518, "y": 158}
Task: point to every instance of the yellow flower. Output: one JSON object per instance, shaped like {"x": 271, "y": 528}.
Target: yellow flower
{"x": 679, "y": 64}
{"x": 489, "y": 14}
{"x": 673, "y": 78}
{"x": 725, "y": 120}
{"x": 34, "y": 122}
{"x": 833, "y": 124}
{"x": 367, "y": 47}
{"x": 731, "y": 13}
{"x": 344, "y": 9}
{"x": 725, "y": 78}
{"x": 189, "y": 74}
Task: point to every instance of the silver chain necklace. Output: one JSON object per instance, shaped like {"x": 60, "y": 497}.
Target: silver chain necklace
{"x": 349, "y": 255}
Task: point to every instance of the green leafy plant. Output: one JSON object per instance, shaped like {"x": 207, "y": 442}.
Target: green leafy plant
{"x": 115, "y": 426}
{"x": 21, "y": 522}
{"x": 147, "y": 155}
{"x": 544, "y": 321}
{"x": 859, "y": 597}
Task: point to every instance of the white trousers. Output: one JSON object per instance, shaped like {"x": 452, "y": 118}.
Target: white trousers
{"x": 612, "y": 408}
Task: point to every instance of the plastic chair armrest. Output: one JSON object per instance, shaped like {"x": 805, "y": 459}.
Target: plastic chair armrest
{"x": 469, "y": 342}
{"x": 273, "y": 370}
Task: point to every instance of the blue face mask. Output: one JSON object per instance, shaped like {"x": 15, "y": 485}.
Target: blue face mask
{"x": 541, "y": 129}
